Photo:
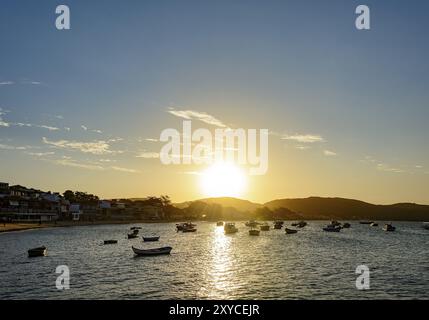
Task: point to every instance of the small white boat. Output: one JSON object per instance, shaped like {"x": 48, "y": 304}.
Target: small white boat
{"x": 152, "y": 252}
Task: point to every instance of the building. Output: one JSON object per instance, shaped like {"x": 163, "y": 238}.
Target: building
{"x": 75, "y": 211}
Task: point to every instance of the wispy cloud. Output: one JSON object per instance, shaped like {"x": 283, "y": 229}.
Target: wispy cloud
{"x": 148, "y": 155}
{"x": 151, "y": 140}
{"x": 6, "y": 83}
{"x": 40, "y": 154}
{"x": 95, "y": 147}
{"x": 92, "y": 130}
{"x": 9, "y": 147}
{"x": 3, "y": 123}
{"x": 73, "y": 163}
{"x": 201, "y": 116}
{"x": 300, "y": 147}
{"x": 50, "y": 128}
{"x": 329, "y": 153}
{"x": 388, "y": 168}
{"x": 124, "y": 169}
{"x": 84, "y": 127}
{"x": 304, "y": 138}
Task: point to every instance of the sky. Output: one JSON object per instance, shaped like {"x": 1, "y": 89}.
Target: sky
{"x": 347, "y": 109}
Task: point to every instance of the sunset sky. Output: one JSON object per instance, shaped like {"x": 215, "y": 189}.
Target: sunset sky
{"x": 347, "y": 110}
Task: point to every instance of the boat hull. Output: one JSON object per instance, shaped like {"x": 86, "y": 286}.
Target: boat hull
{"x": 152, "y": 252}
{"x": 150, "y": 239}
{"x": 290, "y": 231}
{"x": 37, "y": 252}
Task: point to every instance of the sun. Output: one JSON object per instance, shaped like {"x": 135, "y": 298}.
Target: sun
{"x": 223, "y": 180}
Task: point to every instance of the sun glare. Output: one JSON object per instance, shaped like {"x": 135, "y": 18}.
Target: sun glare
{"x": 223, "y": 180}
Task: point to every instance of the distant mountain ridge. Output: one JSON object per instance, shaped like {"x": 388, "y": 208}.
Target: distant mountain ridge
{"x": 328, "y": 208}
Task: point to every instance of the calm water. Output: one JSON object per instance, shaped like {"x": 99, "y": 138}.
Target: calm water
{"x": 210, "y": 265}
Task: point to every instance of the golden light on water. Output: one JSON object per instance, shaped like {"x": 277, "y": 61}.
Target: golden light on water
{"x": 223, "y": 179}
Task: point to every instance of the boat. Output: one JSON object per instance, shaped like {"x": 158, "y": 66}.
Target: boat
{"x": 265, "y": 227}
{"x": 389, "y": 227}
{"x": 374, "y": 224}
{"x": 152, "y": 252}
{"x": 149, "y": 239}
{"x": 110, "y": 241}
{"x": 219, "y": 224}
{"x": 366, "y": 222}
{"x": 229, "y": 228}
{"x": 301, "y": 224}
{"x": 278, "y": 225}
{"x": 332, "y": 228}
{"x": 185, "y": 225}
{"x": 130, "y": 236}
{"x": 252, "y": 224}
{"x": 37, "y": 252}
{"x": 335, "y": 223}
{"x": 290, "y": 231}
{"x": 346, "y": 225}
{"x": 188, "y": 229}
{"x": 426, "y": 225}
{"x": 136, "y": 231}
{"x": 254, "y": 232}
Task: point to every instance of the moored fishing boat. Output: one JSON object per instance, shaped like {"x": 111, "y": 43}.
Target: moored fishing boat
{"x": 290, "y": 231}
{"x": 229, "y": 228}
{"x": 346, "y": 225}
{"x": 189, "y": 229}
{"x": 185, "y": 225}
{"x": 374, "y": 224}
{"x": 131, "y": 236}
{"x": 301, "y": 224}
{"x": 425, "y": 225}
{"x": 366, "y": 222}
{"x": 152, "y": 252}
{"x": 219, "y": 223}
{"x": 265, "y": 227}
{"x": 254, "y": 232}
{"x": 389, "y": 227}
{"x": 278, "y": 225}
{"x": 37, "y": 252}
{"x": 110, "y": 241}
{"x": 252, "y": 224}
{"x": 149, "y": 239}
{"x": 332, "y": 228}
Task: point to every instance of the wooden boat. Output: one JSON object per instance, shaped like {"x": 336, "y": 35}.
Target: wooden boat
{"x": 229, "y": 228}
{"x": 149, "y": 239}
{"x": 294, "y": 224}
{"x": 135, "y": 228}
{"x": 189, "y": 229}
{"x": 265, "y": 227}
{"x": 389, "y": 227}
{"x": 301, "y": 224}
{"x": 278, "y": 226}
{"x": 374, "y": 224}
{"x": 254, "y": 232}
{"x": 37, "y": 252}
{"x": 335, "y": 223}
{"x": 366, "y": 222}
{"x": 290, "y": 231}
{"x": 132, "y": 235}
{"x": 332, "y": 228}
{"x": 219, "y": 223}
{"x": 346, "y": 225}
{"x": 110, "y": 241}
{"x": 252, "y": 224}
{"x": 152, "y": 252}
{"x": 185, "y": 225}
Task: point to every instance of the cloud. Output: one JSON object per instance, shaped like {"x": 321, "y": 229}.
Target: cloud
{"x": 329, "y": 153}
{"x": 124, "y": 169}
{"x": 84, "y": 127}
{"x": 148, "y": 155}
{"x": 302, "y": 147}
{"x": 48, "y": 127}
{"x": 72, "y": 163}
{"x": 387, "y": 168}
{"x": 6, "y": 83}
{"x": 95, "y": 147}
{"x": 40, "y": 154}
{"x": 304, "y": 138}
{"x": 66, "y": 128}
{"x": 151, "y": 140}
{"x": 201, "y": 116}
